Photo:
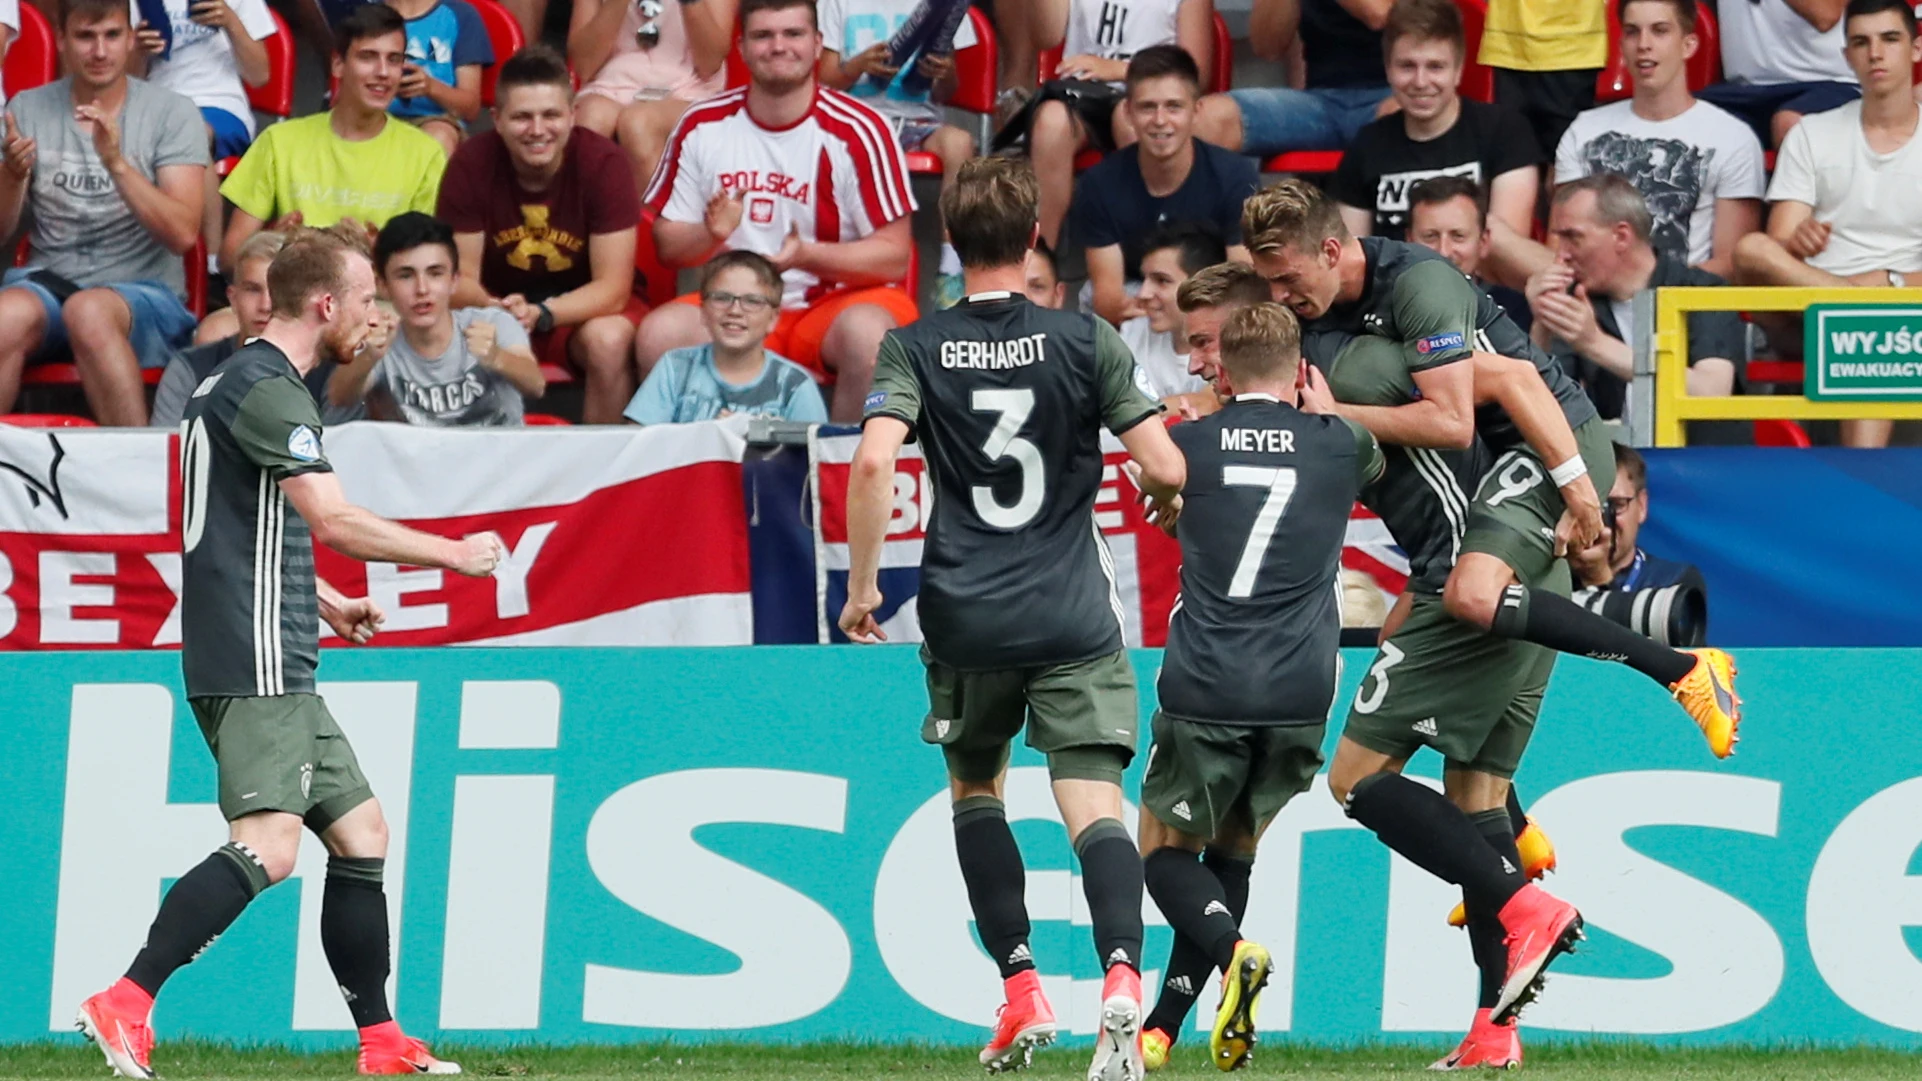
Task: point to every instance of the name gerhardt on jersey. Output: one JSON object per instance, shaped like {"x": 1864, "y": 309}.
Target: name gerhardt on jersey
{"x": 1255, "y": 633}
{"x": 1008, "y": 401}
{"x": 249, "y": 616}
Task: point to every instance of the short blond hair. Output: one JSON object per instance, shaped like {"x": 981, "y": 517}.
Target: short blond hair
{"x": 1261, "y": 341}
{"x": 312, "y": 262}
{"x": 1290, "y": 214}
{"x": 1224, "y": 285}
{"x": 262, "y": 245}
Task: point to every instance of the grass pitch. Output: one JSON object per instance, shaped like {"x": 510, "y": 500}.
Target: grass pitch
{"x": 848, "y": 1062}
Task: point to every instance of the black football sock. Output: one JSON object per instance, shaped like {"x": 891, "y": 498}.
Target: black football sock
{"x": 203, "y": 903}
{"x": 1433, "y": 834}
{"x": 1517, "y": 818}
{"x": 353, "y": 934}
{"x": 1566, "y": 627}
{"x": 1191, "y": 897}
{"x": 1111, "y": 880}
{"x": 1486, "y": 936}
{"x": 1189, "y": 967}
{"x": 997, "y": 881}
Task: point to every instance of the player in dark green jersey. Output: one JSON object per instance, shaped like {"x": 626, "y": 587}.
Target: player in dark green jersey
{"x": 256, "y": 491}
{"x": 1017, "y": 597}
{"x": 1252, "y": 662}
{"x": 1528, "y": 511}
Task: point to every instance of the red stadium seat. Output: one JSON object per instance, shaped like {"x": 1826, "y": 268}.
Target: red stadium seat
{"x": 275, "y": 97}
{"x": 1780, "y": 433}
{"x": 1704, "y": 68}
{"x": 1774, "y": 371}
{"x": 545, "y": 420}
{"x": 32, "y": 59}
{"x": 554, "y": 374}
{"x": 654, "y": 281}
{"x": 1478, "y": 80}
{"x": 46, "y": 420}
{"x": 976, "y": 72}
{"x": 1304, "y": 162}
{"x": 505, "y": 34}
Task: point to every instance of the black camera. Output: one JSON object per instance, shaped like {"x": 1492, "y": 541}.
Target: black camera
{"x": 1675, "y": 615}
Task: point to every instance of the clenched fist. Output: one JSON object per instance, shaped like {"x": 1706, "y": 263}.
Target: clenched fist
{"x": 480, "y": 554}
{"x": 483, "y": 343}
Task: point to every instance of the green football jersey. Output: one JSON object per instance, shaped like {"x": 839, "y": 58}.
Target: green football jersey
{"x": 1008, "y": 401}
{"x": 1437, "y": 316}
{"x": 249, "y": 617}
{"x": 1422, "y": 497}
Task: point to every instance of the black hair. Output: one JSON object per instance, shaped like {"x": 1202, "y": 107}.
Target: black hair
{"x": 405, "y": 232}
{"x": 366, "y": 21}
{"x": 1197, "y": 244}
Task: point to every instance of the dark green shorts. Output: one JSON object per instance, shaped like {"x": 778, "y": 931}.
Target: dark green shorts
{"x": 1206, "y": 778}
{"x": 1517, "y": 505}
{"x": 1083, "y": 716}
{"x": 283, "y": 753}
{"x": 1441, "y": 683}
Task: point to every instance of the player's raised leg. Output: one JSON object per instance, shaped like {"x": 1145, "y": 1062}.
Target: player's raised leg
{"x": 1189, "y": 965}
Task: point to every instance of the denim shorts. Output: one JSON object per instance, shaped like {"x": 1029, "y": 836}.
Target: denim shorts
{"x": 1277, "y": 119}
{"x": 161, "y": 323}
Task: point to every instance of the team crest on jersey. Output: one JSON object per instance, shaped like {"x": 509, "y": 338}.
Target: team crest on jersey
{"x": 876, "y": 400}
{"x": 304, "y": 443}
{"x": 760, "y": 211}
{"x": 1451, "y": 340}
{"x": 1141, "y": 382}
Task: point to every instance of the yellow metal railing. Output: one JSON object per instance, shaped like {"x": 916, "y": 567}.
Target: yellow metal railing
{"x": 1674, "y": 406}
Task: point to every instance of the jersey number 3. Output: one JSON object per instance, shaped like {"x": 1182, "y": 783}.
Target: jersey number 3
{"x": 193, "y": 482}
{"x": 1280, "y": 483}
{"x": 1013, "y": 408}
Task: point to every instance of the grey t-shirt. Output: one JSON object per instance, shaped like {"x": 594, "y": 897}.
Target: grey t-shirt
{"x": 81, "y": 228}
{"x": 453, "y": 390}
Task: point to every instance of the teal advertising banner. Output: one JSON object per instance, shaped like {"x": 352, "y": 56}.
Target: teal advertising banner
{"x": 601, "y": 845}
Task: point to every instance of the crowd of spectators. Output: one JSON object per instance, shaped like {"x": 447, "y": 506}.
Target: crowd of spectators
{"x": 762, "y": 147}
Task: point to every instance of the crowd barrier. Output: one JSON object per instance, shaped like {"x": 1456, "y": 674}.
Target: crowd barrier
{"x": 609, "y": 845}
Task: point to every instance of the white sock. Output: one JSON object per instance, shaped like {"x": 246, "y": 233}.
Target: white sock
{"x": 950, "y": 262}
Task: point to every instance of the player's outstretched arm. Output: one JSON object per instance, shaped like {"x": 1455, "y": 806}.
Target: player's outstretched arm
{"x": 355, "y": 619}
{"x": 1163, "y": 470}
{"x": 361, "y": 534}
{"x": 1517, "y": 387}
{"x": 870, "y": 502}
{"x": 1442, "y": 417}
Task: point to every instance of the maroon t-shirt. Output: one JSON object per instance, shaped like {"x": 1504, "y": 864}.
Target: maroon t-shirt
{"x": 535, "y": 243}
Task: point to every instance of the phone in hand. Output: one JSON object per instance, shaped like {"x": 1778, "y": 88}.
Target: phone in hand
{"x": 154, "y": 14}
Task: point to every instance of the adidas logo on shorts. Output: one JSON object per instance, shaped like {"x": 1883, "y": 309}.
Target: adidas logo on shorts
{"x": 1426, "y": 726}
{"x": 1182, "y": 812}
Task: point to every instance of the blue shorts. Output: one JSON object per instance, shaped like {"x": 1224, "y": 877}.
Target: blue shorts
{"x": 1277, "y": 119}
{"x": 1757, "y": 105}
{"x": 161, "y": 323}
{"x": 231, "y": 139}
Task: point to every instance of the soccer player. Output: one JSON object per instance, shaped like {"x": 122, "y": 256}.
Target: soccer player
{"x": 1251, "y": 662}
{"x": 256, "y": 491}
{"x": 1517, "y": 523}
{"x": 1017, "y": 595}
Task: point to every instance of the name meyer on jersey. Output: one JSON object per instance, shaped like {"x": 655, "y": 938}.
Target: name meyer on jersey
{"x": 1016, "y": 353}
{"x": 1258, "y": 440}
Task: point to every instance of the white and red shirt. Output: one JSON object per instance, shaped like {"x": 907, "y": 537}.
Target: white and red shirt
{"x": 837, "y": 173}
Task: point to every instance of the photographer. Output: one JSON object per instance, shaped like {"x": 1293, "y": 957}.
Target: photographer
{"x": 1663, "y": 599}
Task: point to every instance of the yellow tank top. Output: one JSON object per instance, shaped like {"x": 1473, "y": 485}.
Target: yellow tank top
{"x": 1545, "y": 35}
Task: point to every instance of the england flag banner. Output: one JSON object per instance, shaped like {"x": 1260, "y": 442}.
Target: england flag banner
{"x": 614, "y": 536}
{"x": 1147, "y": 562}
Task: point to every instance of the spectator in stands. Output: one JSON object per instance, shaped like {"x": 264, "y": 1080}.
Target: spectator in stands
{"x": 1434, "y": 132}
{"x": 248, "y": 297}
{"x": 1615, "y": 562}
{"x": 734, "y": 373}
{"x": 1166, "y": 177}
{"x": 1077, "y": 106}
{"x": 1159, "y": 336}
{"x": 545, "y": 215}
{"x": 1699, "y": 168}
{"x": 1545, "y": 58}
{"x": 212, "y": 53}
{"x": 1045, "y": 286}
{"x": 642, "y": 63}
{"x": 9, "y": 30}
{"x": 1604, "y": 255}
{"x": 1450, "y": 215}
{"x": 1845, "y": 207}
{"x": 350, "y": 162}
{"x": 446, "y": 367}
{"x": 861, "y": 38}
{"x": 810, "y": 178}
{"x": 440, "y": 82}
{"x": 1337, "y": 46}
{"x": 1783, "y": 60}
{"x": 106, "y": 171}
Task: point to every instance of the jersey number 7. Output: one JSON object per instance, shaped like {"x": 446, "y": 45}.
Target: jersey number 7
{"x": 1280, "y": 482}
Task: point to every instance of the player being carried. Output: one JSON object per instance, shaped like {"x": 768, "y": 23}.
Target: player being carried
{"x": 256, "y": 491}
{"x": 1251, "y": 661}
{"x": 1017, "y": 600}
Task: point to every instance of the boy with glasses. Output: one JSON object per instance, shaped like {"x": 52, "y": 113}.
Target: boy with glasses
{"x": 733, "y": 373}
